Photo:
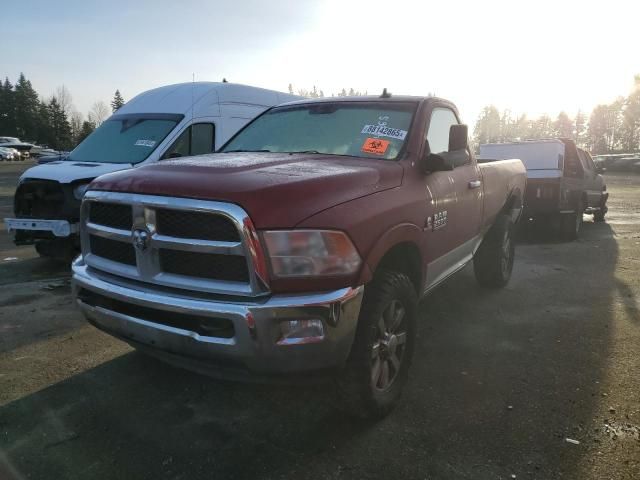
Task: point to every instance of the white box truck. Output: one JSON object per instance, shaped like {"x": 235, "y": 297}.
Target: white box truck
{"x": 176, "y": 120}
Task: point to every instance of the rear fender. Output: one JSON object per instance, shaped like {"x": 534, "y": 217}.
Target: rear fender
{"x": 513, "y": 206}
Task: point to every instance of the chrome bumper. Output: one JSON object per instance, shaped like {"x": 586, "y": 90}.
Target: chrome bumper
{"x": 254, "y": 346}
{"x": 60, "y": 228}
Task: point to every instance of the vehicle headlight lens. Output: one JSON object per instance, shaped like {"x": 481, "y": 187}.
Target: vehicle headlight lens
{"x": 309, "y": 253}
{"x": 80, "y": 190}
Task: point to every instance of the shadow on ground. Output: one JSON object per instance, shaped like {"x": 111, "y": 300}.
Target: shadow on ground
{"x": 500, "y": 379}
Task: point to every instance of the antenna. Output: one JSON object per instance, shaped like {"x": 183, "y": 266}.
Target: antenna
{"x": 385, "y": 94}
{"x": 224, "y": 80}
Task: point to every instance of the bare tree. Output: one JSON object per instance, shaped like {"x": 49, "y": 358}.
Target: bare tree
{"x": 98, "y": 113}
{"x": 75, "y": 119}
{"x": 64, "y": 98}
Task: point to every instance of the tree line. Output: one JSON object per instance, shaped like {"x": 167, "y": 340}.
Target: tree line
{"x": 53, "y": 121}
{"x": 316, "y": 93}
{"x": 610, "y": 128}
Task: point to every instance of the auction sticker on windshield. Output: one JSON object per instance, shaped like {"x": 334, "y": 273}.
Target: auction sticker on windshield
{"x": 145, "y": 143}
{"x": 384, "y": 131}
{"x": 375, "y": 146}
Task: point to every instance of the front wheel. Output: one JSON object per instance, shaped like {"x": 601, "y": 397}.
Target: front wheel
{"x": 598, "y": 215}
{"x": 378, "y": 366}
{"x": 62, "y": 250}
{"x": 493, "y": 262}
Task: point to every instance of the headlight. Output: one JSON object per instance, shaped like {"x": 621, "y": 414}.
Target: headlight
{"x": 309, "y": 253}
{"x": 80, "y": 190}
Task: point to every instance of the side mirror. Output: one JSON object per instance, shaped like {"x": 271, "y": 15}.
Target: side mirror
{"x": 458, "y": 137}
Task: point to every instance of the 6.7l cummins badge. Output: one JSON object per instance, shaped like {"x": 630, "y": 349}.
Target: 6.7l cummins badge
{"x": 437, "y": 221}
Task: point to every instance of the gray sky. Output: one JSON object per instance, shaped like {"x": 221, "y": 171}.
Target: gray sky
{"x": 531, "y": 57}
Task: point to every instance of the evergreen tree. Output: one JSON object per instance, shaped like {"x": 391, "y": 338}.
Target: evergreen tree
{"x": 563, "y": 126}
{"x": 60, "y": 128}
{"x": 85, "y": 131}
{"x": 117, "y": 101}
{"x": 44, "y": 134}
{"x": 487, "y": 129}
{"x": 26, "y": 109}
{"x": 7, "y": 109}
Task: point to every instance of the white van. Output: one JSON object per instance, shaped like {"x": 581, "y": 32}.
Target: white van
{"x": 167, "y": 122}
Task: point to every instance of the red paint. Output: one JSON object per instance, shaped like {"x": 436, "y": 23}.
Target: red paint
{"x": 378, "y": 203}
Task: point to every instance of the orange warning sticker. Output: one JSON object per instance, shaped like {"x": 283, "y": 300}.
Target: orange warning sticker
{"x": 375, "y": 145}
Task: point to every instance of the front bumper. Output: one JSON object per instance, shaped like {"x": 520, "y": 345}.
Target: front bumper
{"x": 59, "y": 228}
{"x": 252, "y": 349}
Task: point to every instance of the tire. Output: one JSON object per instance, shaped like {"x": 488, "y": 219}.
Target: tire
{"x": 598, "y": 216}
{"x": 493, "y": 262}
{"x": 570, "y": 224}
{"x": 59, "y": 249}
{"x": 377, "y": 369}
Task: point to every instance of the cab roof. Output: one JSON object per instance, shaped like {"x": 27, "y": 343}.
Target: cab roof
{"x": 204, "y": 97}
{"x": 365, "y": 98}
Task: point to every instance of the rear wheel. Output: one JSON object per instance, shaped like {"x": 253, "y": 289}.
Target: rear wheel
{"x": 570, "y": 223}
{"x": 378, "y": 366}
{"x": 493, "y": 262}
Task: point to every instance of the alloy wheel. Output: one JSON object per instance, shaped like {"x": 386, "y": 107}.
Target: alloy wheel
{"x": 387, "y": 352}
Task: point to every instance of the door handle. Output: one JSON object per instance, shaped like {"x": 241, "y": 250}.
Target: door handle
{"x": 475, "y": 184}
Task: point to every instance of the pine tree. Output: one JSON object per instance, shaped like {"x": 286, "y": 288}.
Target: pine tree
{"x": 60, "y": 127}
{"x": 579, "y": 128}
{"x": 117, "y": 101}
{"x": 85, "y": 131}
{"x": 487, "y": 129}
{"x": 563, "y": 126}
{"x": 7, "y": 109}
{"x": 26, "y": 109}
{"x": 44, "y": 133}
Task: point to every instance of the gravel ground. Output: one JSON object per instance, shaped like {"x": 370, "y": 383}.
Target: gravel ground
{"x": 539, "y": 380}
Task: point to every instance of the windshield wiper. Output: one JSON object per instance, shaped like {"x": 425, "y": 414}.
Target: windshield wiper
{"x": 304, "y": 151}
{"x": 245, "y": 151}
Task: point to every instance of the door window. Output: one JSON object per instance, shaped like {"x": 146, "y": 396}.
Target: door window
{"x": 197, "y": 139}
{"x": 590, "y": 163}
{"x": 438, "y": 134}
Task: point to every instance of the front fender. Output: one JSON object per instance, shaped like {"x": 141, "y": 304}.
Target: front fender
{"x": 401, "y": 233}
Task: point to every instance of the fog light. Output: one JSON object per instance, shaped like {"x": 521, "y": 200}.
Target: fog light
{"x": 301, "y": 331}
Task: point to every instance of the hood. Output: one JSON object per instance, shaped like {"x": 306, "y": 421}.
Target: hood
{"x": 278, "y": 190}
{"x": 67, "y": 171}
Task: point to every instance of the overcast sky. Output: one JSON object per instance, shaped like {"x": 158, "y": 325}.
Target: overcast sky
{"x": 531, "y": 57}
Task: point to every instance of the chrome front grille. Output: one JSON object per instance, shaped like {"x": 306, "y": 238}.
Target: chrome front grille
{"x": 111, "y": 215}
{"x": 202, "y": 225}
{"x": 179, "y": 243}
{"x": 113, "y": 250}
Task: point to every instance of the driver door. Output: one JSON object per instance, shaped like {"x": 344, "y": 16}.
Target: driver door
{"x": 458, "y": 215}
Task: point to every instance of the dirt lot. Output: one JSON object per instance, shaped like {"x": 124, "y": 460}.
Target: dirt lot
{"x": 500, "y": 381}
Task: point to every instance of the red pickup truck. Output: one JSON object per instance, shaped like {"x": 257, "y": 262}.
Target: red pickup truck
{"x": 303, "y": 247}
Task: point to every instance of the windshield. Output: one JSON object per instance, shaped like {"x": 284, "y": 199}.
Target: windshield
{"x": 125, "y": 139}
{"x": 369, "y": 130}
